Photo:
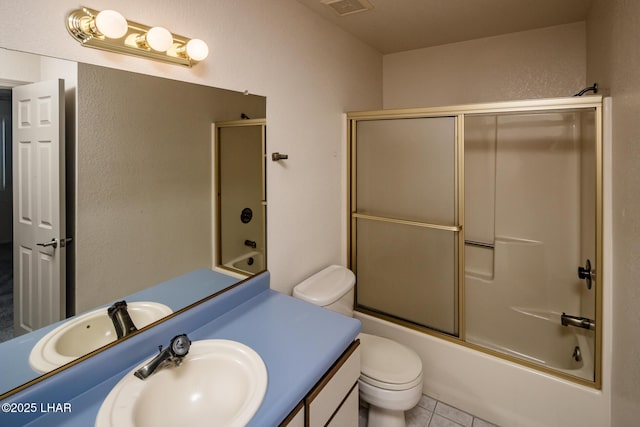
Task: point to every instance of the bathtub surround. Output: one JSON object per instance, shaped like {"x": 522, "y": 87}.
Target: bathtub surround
{"x": 540, "y": 227}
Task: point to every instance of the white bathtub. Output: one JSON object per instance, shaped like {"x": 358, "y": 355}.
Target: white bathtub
{"x": 538, "y": 336}
{"x": 251, "y": 262}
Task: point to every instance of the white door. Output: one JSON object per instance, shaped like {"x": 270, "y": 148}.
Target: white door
{"x": 38, "y": 205}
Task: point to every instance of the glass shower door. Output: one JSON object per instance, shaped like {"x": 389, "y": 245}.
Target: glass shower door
{"x": 404, "y": 220}
{"x": 483, "y": 224}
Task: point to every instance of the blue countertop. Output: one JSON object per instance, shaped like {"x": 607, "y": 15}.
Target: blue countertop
{"x": 176, "y": 293}
{"x": 297, "y": 341}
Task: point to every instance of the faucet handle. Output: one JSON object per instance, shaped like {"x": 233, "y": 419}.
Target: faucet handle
{"x": 180, "y": 345}
{"x": 173, "y": 354}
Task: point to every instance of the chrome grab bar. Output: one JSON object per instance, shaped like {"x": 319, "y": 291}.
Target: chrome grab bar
{"x": 577, "y": 321}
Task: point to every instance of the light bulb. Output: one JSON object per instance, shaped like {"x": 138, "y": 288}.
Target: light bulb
{"x": 197, "y": 49}
{"x": 111, "y": 24}
{"x": 159, "y": 39}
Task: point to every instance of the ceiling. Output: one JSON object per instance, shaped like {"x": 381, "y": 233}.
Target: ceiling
{"x": 400, "y": 25}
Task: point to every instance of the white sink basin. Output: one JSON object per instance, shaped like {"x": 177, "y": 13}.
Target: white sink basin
{"x": 219, "y": 383}
{"x": 87, "y": 332}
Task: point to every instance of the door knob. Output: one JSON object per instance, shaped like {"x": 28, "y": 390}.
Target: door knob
{"x": 53, "y": 243}
{"x": 586, "y": 273}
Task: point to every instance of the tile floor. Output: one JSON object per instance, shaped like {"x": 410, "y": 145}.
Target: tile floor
{"x": 432, "y": 413}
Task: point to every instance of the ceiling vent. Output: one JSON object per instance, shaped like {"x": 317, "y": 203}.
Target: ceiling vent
{"x": 347, "y": 7}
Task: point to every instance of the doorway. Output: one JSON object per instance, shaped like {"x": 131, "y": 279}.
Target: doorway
{"x": 6, "y": 218}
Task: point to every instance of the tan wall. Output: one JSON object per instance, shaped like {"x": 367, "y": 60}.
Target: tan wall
{"x": 614, "y": 62}
{"x": 543, "y": 63}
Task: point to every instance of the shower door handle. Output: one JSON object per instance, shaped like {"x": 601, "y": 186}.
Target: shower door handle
{"x": 586, "y": 273}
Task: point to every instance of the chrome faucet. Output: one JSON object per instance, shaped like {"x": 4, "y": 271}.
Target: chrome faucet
{"x": 577, "y": 321}
{"x": 172, "y": 355}
{"x": 121, "y": 320}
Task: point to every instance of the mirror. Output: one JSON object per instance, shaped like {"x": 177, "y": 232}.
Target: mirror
{"x": 140, "y": 203}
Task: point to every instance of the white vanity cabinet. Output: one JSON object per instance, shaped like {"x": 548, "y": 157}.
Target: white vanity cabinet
{"x": 333, "y": 401}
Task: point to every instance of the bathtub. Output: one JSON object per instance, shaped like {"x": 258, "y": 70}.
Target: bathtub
{"x": 537, "y": 336}
{"x": 250, "y": 263}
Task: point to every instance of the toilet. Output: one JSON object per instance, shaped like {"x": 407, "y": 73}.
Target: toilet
{"x": 390, "y": 373}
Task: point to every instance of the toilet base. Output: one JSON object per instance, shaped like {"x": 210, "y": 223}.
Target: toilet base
{"x": 380, "y": 417}
{"x": 387, "y": 407}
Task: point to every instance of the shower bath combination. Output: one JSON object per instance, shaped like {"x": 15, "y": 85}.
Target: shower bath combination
{"x": 478, "y": 226}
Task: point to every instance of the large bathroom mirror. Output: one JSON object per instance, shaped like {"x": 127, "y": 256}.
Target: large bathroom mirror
{"x": 140, "y": 201}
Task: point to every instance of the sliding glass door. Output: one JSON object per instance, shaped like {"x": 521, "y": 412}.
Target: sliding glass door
{"x": 405, "y": 220}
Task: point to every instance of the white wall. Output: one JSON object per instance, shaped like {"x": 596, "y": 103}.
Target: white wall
{"x": 614, "y": 60}
{"x": 544, "y": 63}
{"x": 310, "y": 72}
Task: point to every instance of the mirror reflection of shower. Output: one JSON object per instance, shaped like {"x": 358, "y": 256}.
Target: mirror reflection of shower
{"x": 240, "y": 242}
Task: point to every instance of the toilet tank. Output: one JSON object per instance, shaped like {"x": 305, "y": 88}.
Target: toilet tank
{"x": 331, "y": 288}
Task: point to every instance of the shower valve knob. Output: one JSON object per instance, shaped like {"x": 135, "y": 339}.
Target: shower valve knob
{"x": 586, "y": 273}
{"x": 279, "y": 156}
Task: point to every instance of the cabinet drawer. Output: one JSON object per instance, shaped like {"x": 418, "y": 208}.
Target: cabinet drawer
{"x": 334, "y": 387}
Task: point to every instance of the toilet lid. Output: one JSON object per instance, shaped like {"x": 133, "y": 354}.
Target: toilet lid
{"x": 327, "y": 286}
{"x": 387, "y": 364}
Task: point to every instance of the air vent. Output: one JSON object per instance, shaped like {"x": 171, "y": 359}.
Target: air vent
{"x": 347, "y": 7}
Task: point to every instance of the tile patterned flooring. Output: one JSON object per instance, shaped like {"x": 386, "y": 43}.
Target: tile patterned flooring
{"x": 432, "y": 413}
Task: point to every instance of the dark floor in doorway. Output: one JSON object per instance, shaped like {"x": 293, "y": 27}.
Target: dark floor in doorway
{"x": 6, "y": 292}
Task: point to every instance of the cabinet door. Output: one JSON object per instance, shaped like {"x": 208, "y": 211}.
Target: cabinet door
{"x": 347, "y": 414}
{"x": 295, "y": 418}
{"x": 334, "y": 390}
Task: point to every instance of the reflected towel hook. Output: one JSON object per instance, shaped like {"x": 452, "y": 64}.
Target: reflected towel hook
{"x": 277, "y": 156}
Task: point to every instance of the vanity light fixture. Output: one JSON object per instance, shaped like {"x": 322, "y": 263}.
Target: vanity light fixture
{"x": 109, "y": 30}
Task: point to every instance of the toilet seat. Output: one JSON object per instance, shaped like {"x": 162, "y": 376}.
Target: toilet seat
{"x": 387, "y": 364}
